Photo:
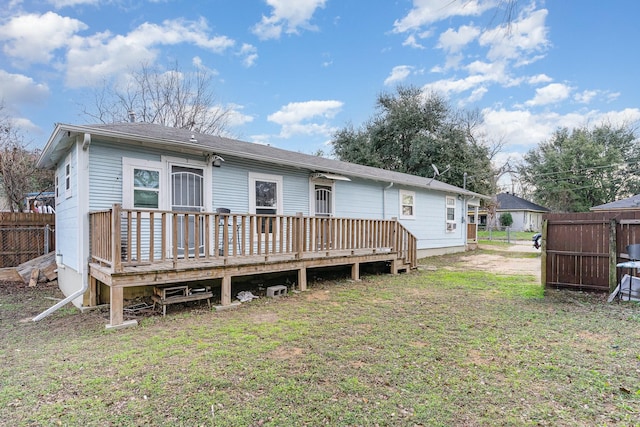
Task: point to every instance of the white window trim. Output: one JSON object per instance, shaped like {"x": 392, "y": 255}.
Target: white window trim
{"x": 451, "y": 225}
{"x": 403, "y": 193}
{"x": 253, "y": 177}
{"x": 169, "y": 161}
{"x": 312, "y": 194}
{"x": 128, "y": 165}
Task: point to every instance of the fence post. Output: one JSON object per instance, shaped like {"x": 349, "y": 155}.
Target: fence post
{"x": 46, "y": 239}
{"x": 613, "y": 256}
{"x": 543, "y": 254}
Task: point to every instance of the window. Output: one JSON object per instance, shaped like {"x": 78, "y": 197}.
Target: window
{"x": 407, "y": 204}
{"x": 57, "y": 182}
{"x": 67, "y": 178}
{"x": 265, "y": 197}
{"x": 451, "y": 214}
{"x": 323, "y": 200}
{"x": 141, "y": 184}
{"x": 146, "y": 189}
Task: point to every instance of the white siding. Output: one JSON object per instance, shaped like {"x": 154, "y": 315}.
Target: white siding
{"x": 67, "y": 232}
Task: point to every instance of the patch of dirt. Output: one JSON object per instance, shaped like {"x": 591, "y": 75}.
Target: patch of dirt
{"x": 504, "y": 264}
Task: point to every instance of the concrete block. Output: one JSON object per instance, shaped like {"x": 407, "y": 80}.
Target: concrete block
{"x": 276, "y": 291}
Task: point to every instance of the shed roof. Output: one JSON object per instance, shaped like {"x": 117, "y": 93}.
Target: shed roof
{"x": 191, "y": 142}
{"x": 630, "y": 203}
{"x": 510, "y": 202}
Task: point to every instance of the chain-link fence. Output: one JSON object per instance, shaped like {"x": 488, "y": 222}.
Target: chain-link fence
{"x": 20, "y": 244}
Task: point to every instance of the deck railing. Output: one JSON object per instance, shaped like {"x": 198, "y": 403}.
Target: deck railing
{"x": 152, "y": 236}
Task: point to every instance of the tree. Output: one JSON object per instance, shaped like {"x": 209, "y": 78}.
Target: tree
{"x": 413, "y": 131}
{"x": 506, "y": 219}
{"x": 171, "y": 98}
{"x": 18, "y": 172}
{"x": 578, "y": 169}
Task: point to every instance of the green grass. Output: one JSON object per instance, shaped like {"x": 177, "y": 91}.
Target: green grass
{"x": 440, "y": 347}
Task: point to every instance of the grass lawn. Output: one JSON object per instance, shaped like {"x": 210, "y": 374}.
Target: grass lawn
{"x": 442, "y": 346}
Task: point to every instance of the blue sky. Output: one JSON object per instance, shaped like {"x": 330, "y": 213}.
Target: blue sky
{"x": 294, "y": 71}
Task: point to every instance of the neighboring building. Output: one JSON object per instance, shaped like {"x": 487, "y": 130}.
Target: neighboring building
{"x": 630, "y": 203}
{"x": 527, "y": 216}
{"x": 5, "y": 206}
{"x": 147, "y": 168}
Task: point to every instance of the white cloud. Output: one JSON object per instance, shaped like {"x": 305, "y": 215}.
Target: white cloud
{"x": 453, "y": 41}
{"x": 17, "y": 89}
{"x": 528, "y": 34}
{"x": 539, "y": 78}
{"x": 91, "y": 59}
{"x": 287, "y": 16}
{"x": 32, "y": 38}
{"x": 412, "y": 42}
{"x": 250, "y": 54}
{"x": 552, "y": 93}
{"x": 236, "y": 117}
{"x": 398, "y": 73}
{"x": 525, "y": 130}
{"x": 426, "y": 12}
{"x": 59, "y": 4}
{"x": 304, "y": 117}
{"x": 585, "y": 96}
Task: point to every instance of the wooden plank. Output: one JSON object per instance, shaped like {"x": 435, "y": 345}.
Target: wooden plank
{"x": 35, "y": 273}
{"x": 10, "y": 274}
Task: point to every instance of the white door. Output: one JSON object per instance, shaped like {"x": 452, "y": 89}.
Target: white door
{"x": 187, "y": 195}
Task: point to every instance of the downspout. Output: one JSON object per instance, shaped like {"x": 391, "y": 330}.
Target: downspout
{"x": 384, "y": 200}
{"x": 60, "y": 304}
{"x": 85, "y": 282}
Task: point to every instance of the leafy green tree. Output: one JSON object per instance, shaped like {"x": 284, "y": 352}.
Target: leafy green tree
{"x": 576, "y": 170}
{"x": 413, "y": 130}
{"x": 506, "y": 219}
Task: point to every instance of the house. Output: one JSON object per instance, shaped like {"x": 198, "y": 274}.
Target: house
{"x": 141, "y": 205}
{"x": 527, "y": 216}
{"x": 630, "y": 203}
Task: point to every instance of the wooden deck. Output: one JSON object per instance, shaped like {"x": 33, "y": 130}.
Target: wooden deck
{"x": 150, "y": 249}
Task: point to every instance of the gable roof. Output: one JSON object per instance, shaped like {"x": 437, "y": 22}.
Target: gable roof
{"x": 190, "y": 142}
{"x": 630, "y": 203}
{"x": 509, "y": 202}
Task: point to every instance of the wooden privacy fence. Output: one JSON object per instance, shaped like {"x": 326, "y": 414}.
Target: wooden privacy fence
{"x": 580, "y": 250}
{"x": 25, "y": 236}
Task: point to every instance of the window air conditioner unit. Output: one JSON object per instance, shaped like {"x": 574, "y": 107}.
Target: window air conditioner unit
{"x": 451, "y": 226}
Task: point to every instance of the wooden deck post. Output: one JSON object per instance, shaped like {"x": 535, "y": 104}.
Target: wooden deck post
{"x": 116, "y": 306}
{"x": 355, "y": 271}
{"x": 225, "y": 297}
{"x": 302, "y": 279}
{"x": 613, "y": 256}
{"x": 299, "y": 244}
{"x": 116, "y": 238}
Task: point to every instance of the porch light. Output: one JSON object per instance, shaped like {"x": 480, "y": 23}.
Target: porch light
{"x": 217, "y": 161}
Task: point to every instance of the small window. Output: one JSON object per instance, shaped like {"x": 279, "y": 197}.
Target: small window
{"x": 407, "y": 204}
{"x": 451, "y": 214}
{"x": 67, "y": 178}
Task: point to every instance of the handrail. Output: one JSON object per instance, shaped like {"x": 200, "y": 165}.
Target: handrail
{"x": 149, "y": 236}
